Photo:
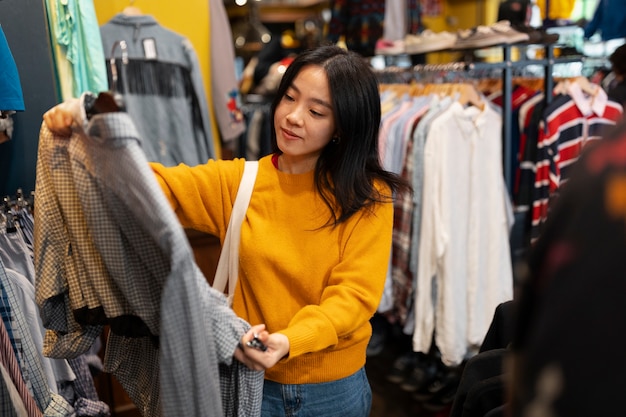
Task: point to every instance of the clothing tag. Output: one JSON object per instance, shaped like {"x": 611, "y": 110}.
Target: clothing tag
{"x": 149, "y": 48}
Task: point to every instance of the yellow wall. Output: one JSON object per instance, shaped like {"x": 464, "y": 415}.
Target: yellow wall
{"x": 189, "y": 18}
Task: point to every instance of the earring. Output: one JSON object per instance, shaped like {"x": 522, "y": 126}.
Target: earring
{"x": 335, "y": 139}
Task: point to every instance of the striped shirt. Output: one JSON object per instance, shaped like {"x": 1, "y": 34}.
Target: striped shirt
{"x": 570, "y": 122}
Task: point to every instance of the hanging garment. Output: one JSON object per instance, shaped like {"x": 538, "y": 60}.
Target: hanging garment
{"x": 570, "y": 122}
{"x": 15, "y": 253}
{"x": 398, "y": 158}
{"x": 401, "y": 18}
{"x": 360, "y": 22}
{"x": 608, "y": 19}
{"x": 224, "y": 86}
{"x": 464, "y": 233}
{"x": 164, "y": 317}
{"x": 394, "y": 23}
{"x": 163, "y": 89}
{"x": 12, "y": 366}
{"x": 571, "y": 305}
{"x": 29, "y": 356}
{"x": 56, "y": 371}
{"x": 11, "y": 404}
{"x": 77, "y": 47}
{"x": 11, "y": 97}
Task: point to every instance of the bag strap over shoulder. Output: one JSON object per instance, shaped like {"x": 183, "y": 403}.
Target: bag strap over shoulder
{"x": 228, "y": 264}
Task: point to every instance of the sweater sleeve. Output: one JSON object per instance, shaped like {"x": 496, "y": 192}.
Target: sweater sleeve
{"x": 354, "y": 287}
{"x": 202, "y": 196}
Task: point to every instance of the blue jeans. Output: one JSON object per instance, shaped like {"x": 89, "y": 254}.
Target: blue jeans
{"x": 347, "y": 397}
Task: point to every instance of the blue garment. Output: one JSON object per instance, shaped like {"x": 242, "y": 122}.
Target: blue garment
{"x": 11, "y": 97}
{"x": 163, "y": 89}
{"x": 346, "y": 397}
{"x": 609, "y": 19}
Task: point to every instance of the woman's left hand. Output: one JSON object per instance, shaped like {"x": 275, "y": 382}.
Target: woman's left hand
{"x": 277, "y": 346}
{"x": 59, "y": 119}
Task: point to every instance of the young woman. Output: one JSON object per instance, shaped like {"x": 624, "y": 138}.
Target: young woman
{"x": 316, "y": 239}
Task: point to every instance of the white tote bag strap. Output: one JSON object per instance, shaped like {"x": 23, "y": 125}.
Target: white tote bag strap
{"x": 228, "y": 264}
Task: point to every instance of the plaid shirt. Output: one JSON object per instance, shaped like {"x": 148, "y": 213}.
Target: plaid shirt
{"x": 12, "y": 367}
{"x": 23, "y": 347}
{"x": 165, "y": 319}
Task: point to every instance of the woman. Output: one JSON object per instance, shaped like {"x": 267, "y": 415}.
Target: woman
{"x": 316, "y": 240}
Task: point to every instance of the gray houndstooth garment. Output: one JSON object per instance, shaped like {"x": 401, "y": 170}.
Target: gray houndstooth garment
{"x": 110, "y": 250}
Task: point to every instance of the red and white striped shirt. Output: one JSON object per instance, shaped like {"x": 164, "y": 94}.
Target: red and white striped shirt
{"x": 569, "y": 123}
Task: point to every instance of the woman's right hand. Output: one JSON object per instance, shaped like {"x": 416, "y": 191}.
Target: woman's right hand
{"x": 59, "y": 119}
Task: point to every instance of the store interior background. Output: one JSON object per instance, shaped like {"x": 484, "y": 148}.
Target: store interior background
{"x": 24, "y": 24}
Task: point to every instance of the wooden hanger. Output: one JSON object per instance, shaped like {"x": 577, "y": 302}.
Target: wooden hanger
{"x": 132, "y": 10}
{"x": 586, "y": 85}
{"x": 561, "y": 87}
{"x": 468, "y": 94}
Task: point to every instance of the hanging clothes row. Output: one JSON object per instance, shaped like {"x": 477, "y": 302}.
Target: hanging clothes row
{"x": 450, "y": 265}
{"x": 552, "y": 137}
{"x": 547, "y": 135}
{"x": 33, "y": 384}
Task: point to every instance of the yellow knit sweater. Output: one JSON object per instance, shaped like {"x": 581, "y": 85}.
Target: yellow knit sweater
{"x": 319, "y": 286}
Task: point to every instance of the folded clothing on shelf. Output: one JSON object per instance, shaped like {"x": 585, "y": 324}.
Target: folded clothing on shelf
{"x": 482, "y": 36}
{"x": 428, "y": 41}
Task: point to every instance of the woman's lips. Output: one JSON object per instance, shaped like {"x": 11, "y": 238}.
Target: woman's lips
{"x": 288, "y": 134}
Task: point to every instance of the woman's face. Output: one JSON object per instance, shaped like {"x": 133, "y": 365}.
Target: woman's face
{"x": 303, "y": 119}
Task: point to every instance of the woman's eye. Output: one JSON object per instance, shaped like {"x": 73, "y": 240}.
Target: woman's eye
{"x": 288, "y": 97}
{"x": 314, "y": 113}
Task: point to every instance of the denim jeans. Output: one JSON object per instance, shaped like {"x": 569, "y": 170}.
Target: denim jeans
{"x": 347, "y": 397}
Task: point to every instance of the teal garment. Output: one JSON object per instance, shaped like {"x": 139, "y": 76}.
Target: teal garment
{"x": 11, "y": 96}
{"x": 77, "y": 31}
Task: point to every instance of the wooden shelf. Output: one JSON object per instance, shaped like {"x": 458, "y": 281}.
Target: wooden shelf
{"x": 281, "y": 11}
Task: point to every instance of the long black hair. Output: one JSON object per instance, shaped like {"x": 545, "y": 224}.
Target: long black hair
{"x": 348, "y": 167}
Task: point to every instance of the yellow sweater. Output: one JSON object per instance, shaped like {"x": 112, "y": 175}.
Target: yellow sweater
{"x": 319, "y": 286}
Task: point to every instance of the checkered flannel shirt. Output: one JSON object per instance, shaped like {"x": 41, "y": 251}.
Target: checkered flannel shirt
{"x": 172, "y": 336}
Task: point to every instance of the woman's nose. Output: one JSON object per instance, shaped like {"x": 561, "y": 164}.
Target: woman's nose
{"x": 294, "y": 117}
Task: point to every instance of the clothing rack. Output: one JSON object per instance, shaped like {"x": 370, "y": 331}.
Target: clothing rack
{"x": 20, "y": 200}
{"x": 507, "y": 67}
{"x": 10, "y": 206}
{"x": 6, "y": 113}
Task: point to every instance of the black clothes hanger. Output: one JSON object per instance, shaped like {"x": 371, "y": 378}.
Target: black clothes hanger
{"x": 113, "y": 100}
{"x": 8, "y": 215}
